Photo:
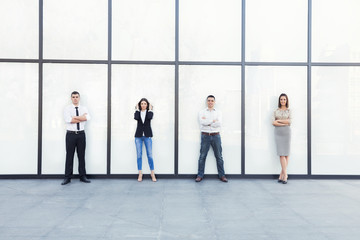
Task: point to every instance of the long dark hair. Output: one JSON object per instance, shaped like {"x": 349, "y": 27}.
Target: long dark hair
{"x": 287, "y": 100}
{"x": 139, "y": 104}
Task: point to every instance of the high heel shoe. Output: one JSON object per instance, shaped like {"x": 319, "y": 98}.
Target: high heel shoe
{"x": 153, "y": 178}
{"x": 285, "y": 181}
{"x": 140, "y": 178}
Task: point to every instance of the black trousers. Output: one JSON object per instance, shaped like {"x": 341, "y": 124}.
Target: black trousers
{"x": 78, "y": 142}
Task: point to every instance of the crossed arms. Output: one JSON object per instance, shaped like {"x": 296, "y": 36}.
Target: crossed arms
{"x": 279, "y": 123}
{"x": 77, "y": 119}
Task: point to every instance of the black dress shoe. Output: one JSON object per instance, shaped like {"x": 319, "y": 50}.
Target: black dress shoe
{"x": 66, "y": 181}
{"x": 223, "y": 179}
{"x": 198, "y": 179}
{"x": 84, "y": 179}
{"x": 280, "y": 180}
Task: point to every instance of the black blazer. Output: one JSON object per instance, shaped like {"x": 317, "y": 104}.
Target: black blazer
{"x": 143, "y": 127}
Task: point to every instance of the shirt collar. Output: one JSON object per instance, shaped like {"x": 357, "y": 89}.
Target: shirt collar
{"x": 207, "y": 109}
{"x": 75, "y": 106}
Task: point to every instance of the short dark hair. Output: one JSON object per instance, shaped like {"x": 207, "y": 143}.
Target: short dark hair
{"x": 139, "y": 104}
{"x": 287, "y": 100}
{"x": 75, "y": 93}
{"x": 210, "y": 96}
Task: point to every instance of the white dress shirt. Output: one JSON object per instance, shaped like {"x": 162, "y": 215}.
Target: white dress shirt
{"x": 70, "y": 112}
{"x": 143, "y": 115}
{"x": 206, "y": 120}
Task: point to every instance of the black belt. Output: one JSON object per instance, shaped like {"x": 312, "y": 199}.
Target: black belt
{"x": 76, "y": 132}
{"x": 210, "y": 134}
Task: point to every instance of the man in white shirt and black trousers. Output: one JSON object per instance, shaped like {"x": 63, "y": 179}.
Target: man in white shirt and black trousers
{"x": 75, "y": 117}
{"x": 210, "y": 120}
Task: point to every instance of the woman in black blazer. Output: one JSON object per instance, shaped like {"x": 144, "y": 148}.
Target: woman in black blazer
{"x": 143, "y": 134}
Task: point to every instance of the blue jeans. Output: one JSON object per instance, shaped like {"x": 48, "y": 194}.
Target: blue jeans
{"x": 215, "y": 142}
{"x": 148, "y": 145}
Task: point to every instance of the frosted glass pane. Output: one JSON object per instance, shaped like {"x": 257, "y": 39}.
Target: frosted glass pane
{"x": 19, "y": 122}
{"x": 196, "y": 83}
{"x": 276, "y": 30}
{"x": 75, "y": 29}
{"x": 210, "y": 30}
{"x": 335, "y": 120}
{"x": 19, "y": 28}
{"x": 59, "y": 81}
{"x": 130, "y": 83}
{"x": 143, "y": 29}
{"x": 335, "y": 31}
{"x": 263, "y": 87}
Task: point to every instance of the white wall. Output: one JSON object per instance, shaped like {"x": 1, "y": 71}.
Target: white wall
{"x": 19, "y": 28}
{"x": 262, "y": 89}
{"x": 59, "y": 81}
{"x": 336, "y": 120}
{"x": 19, "y": 118}
{"x": 130, "y": 84}
{"x": 276, "y": 48}
{"x": 196, "y": 83}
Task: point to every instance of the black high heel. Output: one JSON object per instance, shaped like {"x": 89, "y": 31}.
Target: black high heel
{"x": 285, "y": 181}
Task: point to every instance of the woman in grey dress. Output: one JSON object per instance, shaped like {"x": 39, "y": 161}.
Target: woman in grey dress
{"x": 282, "y": 120}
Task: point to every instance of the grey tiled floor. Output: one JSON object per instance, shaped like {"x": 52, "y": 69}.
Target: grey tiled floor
{"x": 180, "y": 209}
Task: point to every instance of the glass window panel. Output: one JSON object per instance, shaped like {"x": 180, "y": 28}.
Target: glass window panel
{"x": 335, "y": 116}
{"x": 130, "y": 83}
{"x": 91, "y": 82}
{"x": 19, "y": 28}
{"x": 75, "y": 29}
{"x": 143, "y": 29}
{"x": 335, "y": 31}
{"x": 210, "y": 30}
{"x": 276, "y": 30}
{"x": 19, "y": 122}
{"x": 196, "y": 83}
{"x": 263, "y": 87}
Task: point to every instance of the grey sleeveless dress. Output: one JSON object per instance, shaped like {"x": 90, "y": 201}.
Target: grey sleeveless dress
{"x": 282, "y": 134}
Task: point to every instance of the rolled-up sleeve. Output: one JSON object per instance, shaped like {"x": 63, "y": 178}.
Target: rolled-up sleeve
{"x": 290, "y": 117}
{"x": 204, "y": 122}
{"x": 88, "y": 117}
{"x": 219, "y": 120}
{"x": 67, "y": 115}
{"x": 273, "y": 118}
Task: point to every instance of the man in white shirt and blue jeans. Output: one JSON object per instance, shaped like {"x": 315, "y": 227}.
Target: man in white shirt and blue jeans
{"x": 75, "y": 117}
{"x": 210, "y": 120}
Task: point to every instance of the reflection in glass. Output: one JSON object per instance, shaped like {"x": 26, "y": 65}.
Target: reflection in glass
{"x": 19, "y": 122}
{"x": 263, "y": 87}
{"x": 75, "y": 29}
{"x": 196, "y": 83}
{"x": 210, "y": 30}
{"x": 130, "y": 83}
{"x": 19, "y": 28}
{"x": 276, "y": 31}
{"x": 59, "y": 81}
{"x": 335, "y": 31}
{"x": 143, "y": 30}
{"x": 335, "y": 120}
